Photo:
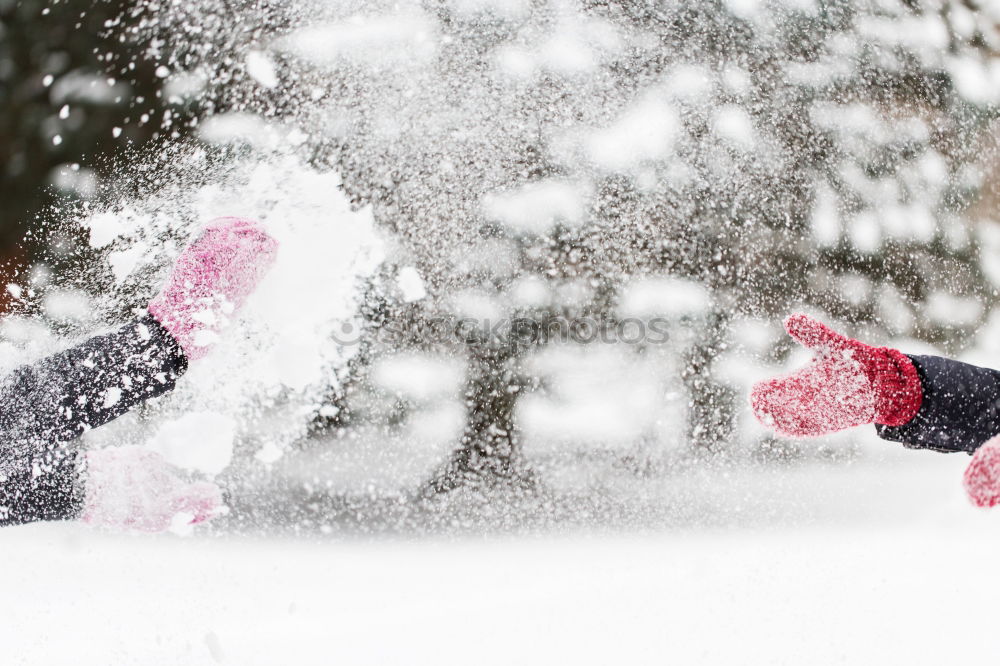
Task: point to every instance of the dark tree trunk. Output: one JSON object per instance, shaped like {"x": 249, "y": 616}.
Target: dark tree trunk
{"x": 712, "y": 404}
{"x": 489, "y": 454}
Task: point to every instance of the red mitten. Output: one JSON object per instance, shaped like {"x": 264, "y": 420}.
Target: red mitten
{"x": 848, "y": 383}
{"x": 982, "y": 476}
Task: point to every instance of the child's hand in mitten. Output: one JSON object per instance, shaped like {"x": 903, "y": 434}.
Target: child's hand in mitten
{"x": 847, "y": 383}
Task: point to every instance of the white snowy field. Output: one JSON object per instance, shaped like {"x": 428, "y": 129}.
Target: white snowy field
{"x": 903, "y": 572}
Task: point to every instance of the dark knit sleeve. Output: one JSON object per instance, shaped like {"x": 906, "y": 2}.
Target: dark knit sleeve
{"x": 960, "y": 409}
{"x": 44, "y": 407}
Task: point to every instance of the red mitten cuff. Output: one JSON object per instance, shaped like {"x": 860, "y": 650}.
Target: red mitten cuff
{"x": 897, "y": 387}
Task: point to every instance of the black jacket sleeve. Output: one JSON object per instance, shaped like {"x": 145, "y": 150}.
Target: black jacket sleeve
{"x": 960, "y": 409}
{"x": 44, "y": 407}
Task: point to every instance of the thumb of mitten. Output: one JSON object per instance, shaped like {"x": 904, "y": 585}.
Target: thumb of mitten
{"x": 814, "y": 334}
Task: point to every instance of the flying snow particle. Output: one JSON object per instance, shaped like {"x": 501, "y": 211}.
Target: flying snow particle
{"x": 411, "y": 284}
{"x": 537, "y": 207}
{"x": 261, "y": 69}
{"x": 104, "y": 228}
{"x": 733, "y": 125}
{"x": 645, "y": 132}
{"x": 199, "y": 441}
{"x": 397, "y": 40}
{"x": 744, "y": 9}
{"x": 125, "y": 261}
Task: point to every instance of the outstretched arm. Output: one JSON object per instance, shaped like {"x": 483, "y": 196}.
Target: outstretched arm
{"x": 926, "y": 402}
{"x": 846, "y": 384}
{"x": 46, "y": 406}
{"x": 960, "y": 409}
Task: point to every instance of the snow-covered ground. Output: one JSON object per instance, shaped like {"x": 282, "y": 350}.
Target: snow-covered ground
{"x": 878, "y": 562}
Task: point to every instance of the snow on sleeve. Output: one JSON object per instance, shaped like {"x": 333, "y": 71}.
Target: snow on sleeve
{"x": 111, "y": 397}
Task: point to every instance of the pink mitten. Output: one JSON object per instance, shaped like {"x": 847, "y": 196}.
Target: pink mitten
{"x": 982, "y": 476}
{"x": 848, "y": 383}
{"x": 130, "y": 488}
{"x": 211, "y": 280}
